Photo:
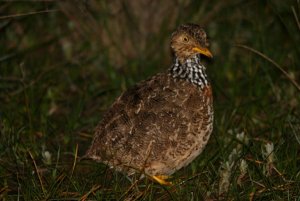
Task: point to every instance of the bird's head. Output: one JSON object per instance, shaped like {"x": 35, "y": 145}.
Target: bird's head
{"x": 189, "y": 40}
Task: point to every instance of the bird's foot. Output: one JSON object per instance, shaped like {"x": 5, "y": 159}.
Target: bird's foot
{"x": 161, "y": 179}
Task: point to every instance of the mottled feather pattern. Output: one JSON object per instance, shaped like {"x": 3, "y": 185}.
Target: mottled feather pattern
{"x": 145, "y": 120}
{"x": 161, "y": 124}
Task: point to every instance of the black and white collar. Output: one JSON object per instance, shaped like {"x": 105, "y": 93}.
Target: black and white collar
{"x": 192, "y": 70}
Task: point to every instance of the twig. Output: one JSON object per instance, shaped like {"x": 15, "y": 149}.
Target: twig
{"x": 129, "y": 189}
{"x": 295, "y": 132}
{"x": 37, "y": 172}
{"x": 296, "y": 17}
{"x": 26, "y": 14}
{"x": 94, "y": 188}
{"x": 272, "y": 62}
{"x": 3, "y": 191}
{"x": 75, "y": 160}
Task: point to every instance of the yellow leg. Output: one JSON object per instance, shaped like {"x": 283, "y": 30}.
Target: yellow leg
{"x": 161, "y": 179}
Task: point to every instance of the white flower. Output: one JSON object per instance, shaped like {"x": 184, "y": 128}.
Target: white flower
{"x": 243, "y": 171}
{"x": 243, "y": 166}
{"x": 225, "y": 171}
{"x": 269, "y": 152}
{"x": 46, "y": 157}
{"x": 242, "y": 137}
{"x": 269, "y": 156}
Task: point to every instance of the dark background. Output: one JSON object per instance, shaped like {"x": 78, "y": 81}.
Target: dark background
{"x": 62, "y": 63}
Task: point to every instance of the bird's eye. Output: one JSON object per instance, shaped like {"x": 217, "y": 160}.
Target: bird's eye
{"x": 185, "y": 39}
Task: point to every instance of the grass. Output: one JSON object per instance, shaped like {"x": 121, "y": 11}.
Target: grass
{"x": 62, "y": 65}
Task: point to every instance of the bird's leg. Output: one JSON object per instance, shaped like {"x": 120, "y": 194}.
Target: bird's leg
{"x": 161, "y": 179}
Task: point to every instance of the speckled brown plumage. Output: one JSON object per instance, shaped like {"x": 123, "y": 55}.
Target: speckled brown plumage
{"x": 161, "y": 124}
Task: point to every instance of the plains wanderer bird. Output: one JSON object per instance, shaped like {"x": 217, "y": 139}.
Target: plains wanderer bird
{"x": 163, "y": 123}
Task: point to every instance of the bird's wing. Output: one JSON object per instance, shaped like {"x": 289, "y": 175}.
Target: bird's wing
{"x": 147, "y": 120}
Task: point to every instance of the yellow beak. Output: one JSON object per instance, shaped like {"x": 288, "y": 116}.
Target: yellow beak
{"x": 203, "y": 51}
